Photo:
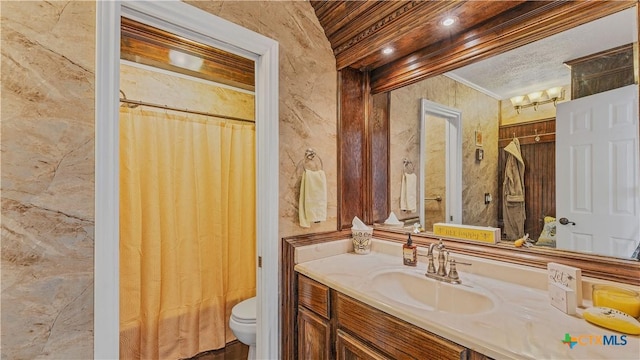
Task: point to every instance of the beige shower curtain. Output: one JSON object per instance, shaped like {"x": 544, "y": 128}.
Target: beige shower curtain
{"x": 187, "y": 231}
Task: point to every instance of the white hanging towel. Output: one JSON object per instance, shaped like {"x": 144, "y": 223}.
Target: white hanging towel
{"x": 408, "y": 192}
{"x": 312, "y": 206}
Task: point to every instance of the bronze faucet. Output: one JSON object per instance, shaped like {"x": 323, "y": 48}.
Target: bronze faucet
{"x": 441, "y": 273}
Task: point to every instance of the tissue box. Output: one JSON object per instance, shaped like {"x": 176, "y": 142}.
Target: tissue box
{"x": 361, "y": 241}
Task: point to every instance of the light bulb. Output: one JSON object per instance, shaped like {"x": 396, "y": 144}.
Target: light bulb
{"x": 448, "y": 21}
{"x": 535, "y": 96}
{"x": 517, "y": 100}
{"x": 554, "y": 92}
{"x": 186, "y": 61}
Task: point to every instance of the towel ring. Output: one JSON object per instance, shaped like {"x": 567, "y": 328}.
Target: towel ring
{"x": 408, "y": 167}
{"x": 310, "y": 155}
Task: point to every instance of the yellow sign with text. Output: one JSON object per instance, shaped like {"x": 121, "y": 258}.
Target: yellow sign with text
{"x": 467, "y": 232}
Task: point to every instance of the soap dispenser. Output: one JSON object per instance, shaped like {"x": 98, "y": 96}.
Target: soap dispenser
{"x": 410, "y": 252}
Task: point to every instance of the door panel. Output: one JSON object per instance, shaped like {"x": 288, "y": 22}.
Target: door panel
{"x": 597, "y": 167}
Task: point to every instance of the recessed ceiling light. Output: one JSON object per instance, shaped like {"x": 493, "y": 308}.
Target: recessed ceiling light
{"x": 183, "y": 60}
{"x": 387, "y": 51}
{"x": 448, "y": 21}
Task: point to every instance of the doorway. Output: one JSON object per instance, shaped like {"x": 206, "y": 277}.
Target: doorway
{"x": 447, "y": 125}
{"x": 192, "y": 23}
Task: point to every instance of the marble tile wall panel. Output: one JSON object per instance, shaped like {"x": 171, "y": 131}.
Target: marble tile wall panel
{"x": 47, "y": 146}
{"x": 308, "y": 96}
{"x": 479, "y": 111}
{"x": 47, "y": 179}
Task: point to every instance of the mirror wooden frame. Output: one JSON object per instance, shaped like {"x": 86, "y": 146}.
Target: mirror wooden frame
{"x": 363, "y": 143}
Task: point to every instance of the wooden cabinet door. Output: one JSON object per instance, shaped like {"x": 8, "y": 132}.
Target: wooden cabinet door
{"x": 399, "y": 339}
{"x": 314, "y": 336}
{"x": 350, "y": 348}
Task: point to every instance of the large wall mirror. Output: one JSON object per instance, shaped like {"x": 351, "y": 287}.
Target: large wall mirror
{"x": 541, "y": 94}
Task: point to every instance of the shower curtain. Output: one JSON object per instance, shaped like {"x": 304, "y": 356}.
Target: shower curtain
{"x": 187, "y": 231}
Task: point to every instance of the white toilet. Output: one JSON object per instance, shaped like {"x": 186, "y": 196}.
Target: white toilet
{"x": 243, "y": 324}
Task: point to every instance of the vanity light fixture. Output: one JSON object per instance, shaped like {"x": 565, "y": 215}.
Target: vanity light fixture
{"x": 537, "y": 98}
{"x": 387, "y": 51}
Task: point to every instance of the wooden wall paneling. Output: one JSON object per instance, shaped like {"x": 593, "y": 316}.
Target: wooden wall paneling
{"x": 289, "y": 294}
{"x": 539, "y": 176}
{"x": 150, "y": 46}
{"x": 353, "y": 196}
{"x": 380, "y": 145}
{"x": 524, "y": 24}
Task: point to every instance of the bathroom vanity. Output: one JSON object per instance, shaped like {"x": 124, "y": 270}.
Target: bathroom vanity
{"x": 353, "y": 306}
{"x": 360, "y": 331}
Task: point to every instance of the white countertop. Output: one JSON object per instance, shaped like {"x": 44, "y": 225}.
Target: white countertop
{"x": 521, "y": 325}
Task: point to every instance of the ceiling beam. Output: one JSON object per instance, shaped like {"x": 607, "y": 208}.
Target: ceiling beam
{"x": 523, "y": 25}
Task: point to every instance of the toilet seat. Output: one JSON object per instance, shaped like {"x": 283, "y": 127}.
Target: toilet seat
{"x": 245, "y": 311}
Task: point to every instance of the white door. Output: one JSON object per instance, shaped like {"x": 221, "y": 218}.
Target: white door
{"x": 597, "y": 173}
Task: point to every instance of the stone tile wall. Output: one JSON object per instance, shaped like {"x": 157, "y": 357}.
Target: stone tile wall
{"x": 47, "y": 130}
{"x": 479, "y": 111}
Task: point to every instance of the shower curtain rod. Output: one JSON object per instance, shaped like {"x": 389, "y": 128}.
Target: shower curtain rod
{"x": 143, "y": 103}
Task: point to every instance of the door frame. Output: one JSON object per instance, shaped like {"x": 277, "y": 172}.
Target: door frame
{"x": 453, "y": 159}
{"x": 191, "y": 22}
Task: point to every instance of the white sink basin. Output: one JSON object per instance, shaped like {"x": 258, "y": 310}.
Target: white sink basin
{"x": 416, "y": 290}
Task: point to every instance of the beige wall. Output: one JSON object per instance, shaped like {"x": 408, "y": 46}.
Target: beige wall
{"x": 48, "y": 90}
{"x": 160, "y": 87}
{"x": 479, "y": 111}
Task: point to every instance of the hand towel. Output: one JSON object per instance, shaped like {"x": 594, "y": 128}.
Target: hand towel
{"x": 408, "y": 192}
{"x": 312, "y": 205}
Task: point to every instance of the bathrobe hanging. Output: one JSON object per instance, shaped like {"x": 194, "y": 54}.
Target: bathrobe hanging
{"x": 513, "y": 206}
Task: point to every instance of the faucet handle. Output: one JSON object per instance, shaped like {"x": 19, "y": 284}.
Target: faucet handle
{"x": 460, "y": 263}
{"x": 453, "y": 272}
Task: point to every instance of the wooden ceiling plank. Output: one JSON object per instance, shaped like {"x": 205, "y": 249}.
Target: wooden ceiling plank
{"x": 529, "y": 9}
{"x": 325, "y": 9}
{"x": 148, "y": 34}
{"x": 381, "y": 34}
{"x": 350, "y": 11}
{"x": 354, "y": 22}
{"x": 469, "y": 14}
{"x": 490, "y": 40}
{"x": 150, "y": 46}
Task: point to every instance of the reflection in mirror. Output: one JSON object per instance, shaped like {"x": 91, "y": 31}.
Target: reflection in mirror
{"x": 440, "y": 157}
{"x": 483, "y": 93}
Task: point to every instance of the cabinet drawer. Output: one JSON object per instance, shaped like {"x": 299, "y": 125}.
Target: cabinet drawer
{"x": 396, "y": 338}
{"x": 313, "y": 295}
